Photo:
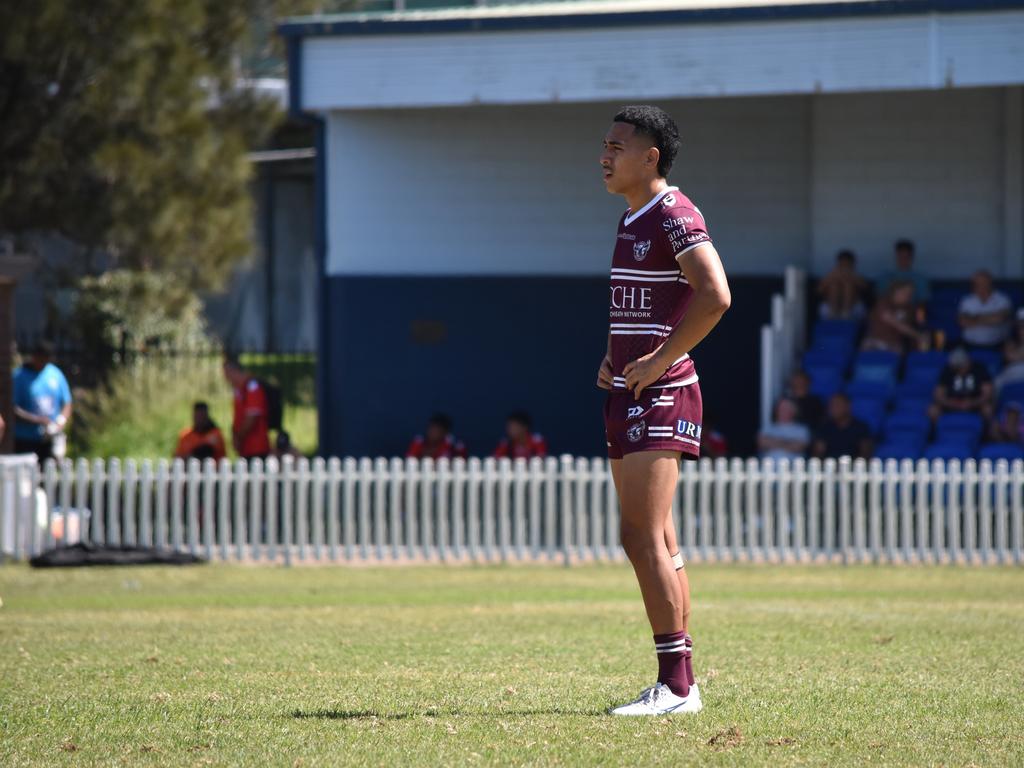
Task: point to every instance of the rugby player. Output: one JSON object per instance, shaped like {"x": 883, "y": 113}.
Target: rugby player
{"x": 668, "y": 290}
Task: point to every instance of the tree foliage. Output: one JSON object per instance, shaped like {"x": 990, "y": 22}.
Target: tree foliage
{"x": 125, "y": 129}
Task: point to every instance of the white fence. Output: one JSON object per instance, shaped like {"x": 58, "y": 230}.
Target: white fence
{"x": 782, "y": 340}
{"x": 554, "y": 510}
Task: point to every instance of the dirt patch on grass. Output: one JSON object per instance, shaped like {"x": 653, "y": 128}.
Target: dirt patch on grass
{"x": 727, "y": 738}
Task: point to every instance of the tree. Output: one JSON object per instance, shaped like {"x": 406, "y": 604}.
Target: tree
{"x": 125, "y": 129}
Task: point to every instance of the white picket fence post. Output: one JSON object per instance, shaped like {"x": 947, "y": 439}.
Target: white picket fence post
{"x": 563, "y": 509}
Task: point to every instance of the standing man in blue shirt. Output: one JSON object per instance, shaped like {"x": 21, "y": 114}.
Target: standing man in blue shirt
{"x": 42, "y": 403}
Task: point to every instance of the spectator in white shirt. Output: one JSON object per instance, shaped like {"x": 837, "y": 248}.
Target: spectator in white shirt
{"x": 785, "y": 437}
{"x": 985, "y": 313}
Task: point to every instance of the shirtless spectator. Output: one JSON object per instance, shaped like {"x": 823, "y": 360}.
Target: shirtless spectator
{"x": 891, "y": 324}
{"x": 842, "y": 289}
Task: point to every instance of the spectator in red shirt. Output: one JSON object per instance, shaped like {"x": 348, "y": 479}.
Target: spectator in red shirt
{"x": 437, "y": 442}
{"x": 250, "y": 434}
{"x": 520, "y": 441}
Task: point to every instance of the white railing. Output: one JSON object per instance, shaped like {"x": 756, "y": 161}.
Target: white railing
{"x": 17, "y": 503}
{"x": 552, "y": 510}
{"x": 782, "y": 340}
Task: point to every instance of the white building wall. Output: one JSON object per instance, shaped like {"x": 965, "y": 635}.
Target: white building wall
{"x": 925, "y": 165}
{"x": 898, "y": 52}
{"x": 518, "y": 191}
{"x": 781, "y": 180}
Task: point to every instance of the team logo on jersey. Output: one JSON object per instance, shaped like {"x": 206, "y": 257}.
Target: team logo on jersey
{"x": 668, "y": 200}
{"x": 640, "y": 250}
{"x": 635, "y": 433}
{"x": 634, "y": 411}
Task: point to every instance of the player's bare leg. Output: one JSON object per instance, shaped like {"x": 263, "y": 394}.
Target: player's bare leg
{"x": 646, "y": 482}
{"x": 672, "y": 545}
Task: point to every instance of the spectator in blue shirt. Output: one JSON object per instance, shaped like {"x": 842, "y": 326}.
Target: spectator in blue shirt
{"x": 42, "y": 403}
{"x": 905, "y": 273}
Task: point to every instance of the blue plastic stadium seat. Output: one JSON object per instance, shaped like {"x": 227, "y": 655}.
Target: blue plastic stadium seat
{"x": 907, "y": 423}
{"x": 923, "y": 376}
{"x": 1008, "y": 451}
{"x": 990, "y": 358}
{"x": 878, "y": 357}
{"x": 827, "y": 357}
{"x": 898, "y": 449}
{"x": 875, "y": 390}
{"x": 942, "y": 310}
{"x": 911, "y": 403}
{"x": 1014, "y": 292}
{"x": 1014, "y": 391}
{"x": 835, "y": 330}
{"x": 869, "y": 410}
{"x": 949, "y": 450}
{"x": 932, "y": 360}
{"x": 872, "y": 372}
{"x": 916, "y": 389}
{"x": 959, "y": 427}
{"x": 825, "y": 382}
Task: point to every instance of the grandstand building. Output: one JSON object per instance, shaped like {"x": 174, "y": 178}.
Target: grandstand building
{"x": 464, "y": 235}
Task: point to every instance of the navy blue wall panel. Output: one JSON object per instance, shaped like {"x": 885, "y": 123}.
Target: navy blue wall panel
{"x": 479, "y": 347}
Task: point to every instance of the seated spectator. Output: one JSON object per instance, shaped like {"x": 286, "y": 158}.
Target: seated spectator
{"x": 203, "y": 440}
{"x": 785, "y": 437}
{"x": 892, "y": 325}
{"x": 984, "y": 313}
{"x": 810, "y": 409}
{"x": 905, "y": 273}
{"x": 520, "y": 441}
{"x": 1013, "y": 355}
{"x": 964, "y": 387}
{"x": 1009, "y": 428}
{"x": 437, "y": 442}
{"x": 283, "y": 446}
{"x": 842, "y": 434}
{"x": 842, "y": 289}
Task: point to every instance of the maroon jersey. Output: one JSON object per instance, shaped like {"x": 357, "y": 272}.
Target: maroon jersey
{"x": 649, "y": 293}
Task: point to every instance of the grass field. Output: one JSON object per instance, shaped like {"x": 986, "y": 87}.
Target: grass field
{"x": 232, "y": 665}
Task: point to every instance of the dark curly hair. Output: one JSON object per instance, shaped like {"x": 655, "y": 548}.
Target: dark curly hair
{"x": 654, "y": 123}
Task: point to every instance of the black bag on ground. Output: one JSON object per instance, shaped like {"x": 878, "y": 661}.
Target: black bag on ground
{"x": 101, "y": 554}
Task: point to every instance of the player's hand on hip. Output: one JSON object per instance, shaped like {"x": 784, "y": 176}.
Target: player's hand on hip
{"x": 643, "y": 372}
{"x": 604, "y": 373}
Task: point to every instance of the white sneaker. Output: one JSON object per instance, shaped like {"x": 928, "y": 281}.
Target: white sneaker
{"x": 659, "y": 700}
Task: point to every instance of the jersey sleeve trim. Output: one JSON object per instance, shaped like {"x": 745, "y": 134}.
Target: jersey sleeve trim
{"x": 691, "y": 247}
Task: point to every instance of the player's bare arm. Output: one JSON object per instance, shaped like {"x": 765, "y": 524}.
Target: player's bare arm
{"x": 604, "y": 373}
{"x": 711, "y": 298}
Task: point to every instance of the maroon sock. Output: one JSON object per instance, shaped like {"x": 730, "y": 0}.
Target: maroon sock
{"x": 672, "y": 653}
{"x": 688, "y": 664}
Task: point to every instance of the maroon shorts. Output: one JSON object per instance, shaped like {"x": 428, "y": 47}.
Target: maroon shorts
{"x": 661, "y": 420}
